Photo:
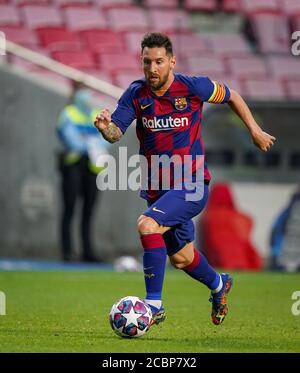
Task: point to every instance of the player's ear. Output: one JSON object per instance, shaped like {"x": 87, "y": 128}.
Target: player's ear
{"x": 173, "y": 62}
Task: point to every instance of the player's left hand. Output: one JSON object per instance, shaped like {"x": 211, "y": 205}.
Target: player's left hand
{"x": 263, "y": 140}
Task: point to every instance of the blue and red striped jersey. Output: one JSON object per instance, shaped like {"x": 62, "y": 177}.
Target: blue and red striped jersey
{"x": 169, "y": 124}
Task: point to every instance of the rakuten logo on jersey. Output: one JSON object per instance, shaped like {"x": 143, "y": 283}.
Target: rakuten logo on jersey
{"x": 165, "y": 124}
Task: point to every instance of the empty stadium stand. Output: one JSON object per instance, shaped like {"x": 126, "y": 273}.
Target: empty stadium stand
{"x": 102, "y": 37}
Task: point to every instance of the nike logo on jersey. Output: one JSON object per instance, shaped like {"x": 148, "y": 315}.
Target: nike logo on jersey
{"x": 143, "y": 107}
{"x": 157, "y": 210}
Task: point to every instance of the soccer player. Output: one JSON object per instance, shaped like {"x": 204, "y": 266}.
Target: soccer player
{"x": 168, "y": 110}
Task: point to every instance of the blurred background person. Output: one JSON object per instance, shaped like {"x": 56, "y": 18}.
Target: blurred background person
{"x": 226, "y": 232}
{"x": 285, "y": 236}
{"x": 77, "y": 165}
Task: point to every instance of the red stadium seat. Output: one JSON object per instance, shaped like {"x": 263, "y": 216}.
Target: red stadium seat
{"x": 115, "y": 62}
{"x": 109, "y": 4}
{"x": 189, "y": 44}
{"x": 73, "y": 3}
{"x": 42, "y": 17}
{"x": 133, "y": 41}
{"x": 21, "y": 35}
{"x": 170, "y": 4}
{"x": 123, "y": 79}
{"x": 284, "y": 67}
{"x": 201, "y": 5}
{"x": 271, "y": 32}
{"x": 173, "y": 20}
{"x": 211, "y": 66}
{"x": 79, "y": 19}
{"x": 290, "y": 7}
{"x": 9, "y": 16}
{"x": 78, "y": 60}
{"x": 31, "y": 2}
{"x": 233, "y": 83}
{"x": 295, "y": 22}
{"x": 227, "y": 44}
{"x": 293, "y": 89}
{"x": 264, "y": 89}
{"x": 56, "y": 40}
{"x": 251, "y": 6}
{"x": 103, "y": 40}
{"x": 132, "y": 19}
{"x": 231, "y": 6}
{"x": 251, "y": 66}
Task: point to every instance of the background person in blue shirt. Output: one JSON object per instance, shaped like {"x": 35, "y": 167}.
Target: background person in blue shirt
{"x": 81, "y": 145}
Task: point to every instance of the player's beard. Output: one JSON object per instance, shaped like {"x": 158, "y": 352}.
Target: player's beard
{"x": 161, "y": 81}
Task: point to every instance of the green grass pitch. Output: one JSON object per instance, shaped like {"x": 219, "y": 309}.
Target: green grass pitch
{"x": 68, "y": 312}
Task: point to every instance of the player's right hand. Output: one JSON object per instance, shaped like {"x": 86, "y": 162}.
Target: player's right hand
{"x": 102, "y": 120}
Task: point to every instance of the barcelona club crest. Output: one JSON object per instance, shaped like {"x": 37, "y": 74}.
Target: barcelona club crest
{"x": 180, "y": 103}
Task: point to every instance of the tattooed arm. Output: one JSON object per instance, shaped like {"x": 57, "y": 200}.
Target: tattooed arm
{"x": 108, "y": 129}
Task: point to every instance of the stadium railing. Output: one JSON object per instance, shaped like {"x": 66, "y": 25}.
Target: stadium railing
{"x": 64, "y": 70}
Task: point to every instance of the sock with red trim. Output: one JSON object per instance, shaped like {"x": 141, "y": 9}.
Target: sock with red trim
{"x": 201, "y": 271}
{"x": 154, "y": 260}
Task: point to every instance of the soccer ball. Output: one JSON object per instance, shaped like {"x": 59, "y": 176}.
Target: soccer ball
{"x": 130, "y": 317}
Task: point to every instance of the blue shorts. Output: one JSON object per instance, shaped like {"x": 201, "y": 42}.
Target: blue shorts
{"x": 173, "y": 210}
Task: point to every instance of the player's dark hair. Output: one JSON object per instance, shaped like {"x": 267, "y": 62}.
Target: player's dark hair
{"x": 156, "y": 39}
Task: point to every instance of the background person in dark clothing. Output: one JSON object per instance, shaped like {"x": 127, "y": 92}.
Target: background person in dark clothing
{"x": 285, "y": 237}
{"x": 78, "y": 169}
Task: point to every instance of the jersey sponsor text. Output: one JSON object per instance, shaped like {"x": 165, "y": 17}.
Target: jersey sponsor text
{"x": 165, "y": 124}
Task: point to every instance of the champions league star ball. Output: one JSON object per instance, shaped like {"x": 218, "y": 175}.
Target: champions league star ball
{"x": 130, "y": 317}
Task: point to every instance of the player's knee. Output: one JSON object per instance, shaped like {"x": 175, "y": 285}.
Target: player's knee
{"x": 147, "y": 225}
{"x": 180, "y": 261}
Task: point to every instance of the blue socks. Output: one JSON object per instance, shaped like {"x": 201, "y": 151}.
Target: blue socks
{"x": 201, "y": 271}
{"x": 154, "y": 260}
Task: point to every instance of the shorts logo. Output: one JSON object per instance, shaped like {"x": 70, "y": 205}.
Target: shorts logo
{"x": 180, "y": 103}
{"x": 157, "y": 210}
